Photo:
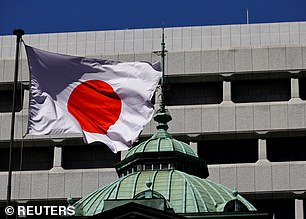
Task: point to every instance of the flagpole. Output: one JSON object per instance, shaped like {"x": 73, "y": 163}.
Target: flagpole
{"x": 19, "y": 33}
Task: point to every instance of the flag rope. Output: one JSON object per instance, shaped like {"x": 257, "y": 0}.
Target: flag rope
{"x": 23, "y": 131}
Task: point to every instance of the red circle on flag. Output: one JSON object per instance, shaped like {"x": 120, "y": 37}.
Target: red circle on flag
{"x": 95, "y": 105}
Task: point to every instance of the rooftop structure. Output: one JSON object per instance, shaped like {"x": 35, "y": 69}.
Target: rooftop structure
{"x": 165, "y": 162}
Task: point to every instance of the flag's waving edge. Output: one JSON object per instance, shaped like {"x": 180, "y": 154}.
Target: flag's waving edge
{"x": 106, "y": 101}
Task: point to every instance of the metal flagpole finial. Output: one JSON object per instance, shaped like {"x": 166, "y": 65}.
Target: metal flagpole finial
{"x": 18, "y": 32}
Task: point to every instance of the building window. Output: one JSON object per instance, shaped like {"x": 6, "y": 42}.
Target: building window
{"x": 286, "y": 149}
{"x": 156, "y": 166}
{"x": 165, "y": 166}
{"x": 6, "y": 99}
{"x": 134, "y": 169}
{"x": 148, "y": 167}
{"x": 281, "y": 208}
{"x": 304, "y": 206}
{"x": 95, "y": 155}
{"x": 244, "y": 91}
{"x": 194, "y": 93}
{"x": 28, "y": 158}
{"x": 302, "y": 88}
{"x": 229, "y": 151}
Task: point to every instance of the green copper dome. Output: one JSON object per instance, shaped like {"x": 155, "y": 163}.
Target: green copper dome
{"x": 184, "y": 193}
{"x": 175, "y": 173}
{"x": 162, "y": 151}
{"x": 160, "y": 142}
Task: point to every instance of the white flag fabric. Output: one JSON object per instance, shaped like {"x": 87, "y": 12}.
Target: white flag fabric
{"x": 106, "y": 101}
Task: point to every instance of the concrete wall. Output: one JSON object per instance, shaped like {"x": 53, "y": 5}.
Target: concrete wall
{"x": 56, "y": 184}
{"x": 177, "y": 39}
{"x": 262, "y": 176}
{"x": 194, "y": 62}
{"x": 224, "y": 117}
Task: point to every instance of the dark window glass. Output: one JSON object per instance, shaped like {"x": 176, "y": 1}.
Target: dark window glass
{"x": 261, "y": 90}
{"x": 89, "y": 156}
{"x": 165, "y": 166}
{"x": 34, "y": 158}
{"x": 229, "y": 151}
{"x": 304, "y": 203}
{"x": 282, "y": 208}
{"x": 194, "y": 93}
{"x": 286, "y": 149}
{"x": 156, "y": 166}
{"x": 148, "y": 166}
{"x": 302, "y": 88}
{"x": 6, "y": 100}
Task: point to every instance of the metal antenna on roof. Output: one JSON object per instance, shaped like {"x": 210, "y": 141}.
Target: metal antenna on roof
{"x": 162, "y": 116}
{"x": 162, "y": 53}
{"x": 162, "y": 103}
{"x": 247, "y": 15}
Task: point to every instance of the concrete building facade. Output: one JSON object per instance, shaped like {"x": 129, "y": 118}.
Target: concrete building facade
{"x": 236, "y": 94}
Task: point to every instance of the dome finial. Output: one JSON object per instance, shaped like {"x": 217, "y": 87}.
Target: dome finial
{"x": 162, "y": 53}
{"x": 235, "y": 193}
{"x": 149, "y": 183}
{"x": 69, "y": 200}
{"x": 162, "y": 117}
{"x": 148, "y": 193}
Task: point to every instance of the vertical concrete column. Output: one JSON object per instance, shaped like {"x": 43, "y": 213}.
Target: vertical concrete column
{"x": 262, "y": 149}
{"x": 295, "y": 88}
{"x": 57, "y": 159}
{"x": 227, "y": 96}
{"x": 299, "y": 209}
{"x": 194, "y": 146}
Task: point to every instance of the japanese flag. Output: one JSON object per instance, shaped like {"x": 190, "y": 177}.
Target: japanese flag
{"x": 106, "y": 101}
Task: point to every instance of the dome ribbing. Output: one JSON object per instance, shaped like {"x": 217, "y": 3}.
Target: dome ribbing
{"x": 185, "y": 193}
